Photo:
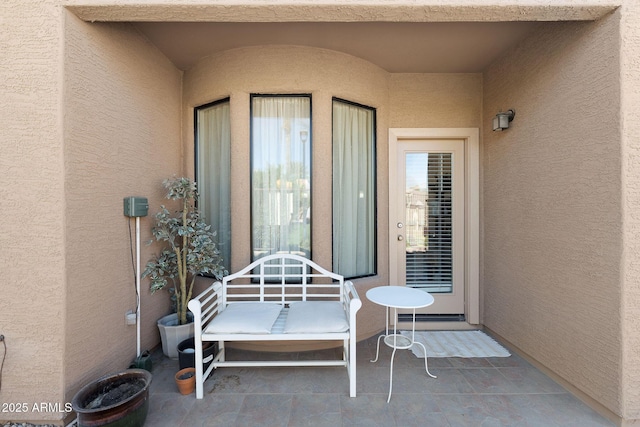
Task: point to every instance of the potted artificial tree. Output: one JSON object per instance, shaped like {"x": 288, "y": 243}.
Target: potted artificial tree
{"x": 190, "y": 250}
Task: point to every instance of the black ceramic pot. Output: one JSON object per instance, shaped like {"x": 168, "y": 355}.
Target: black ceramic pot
{"x": 115, "y": 400}
{"x": 187, "y": 355}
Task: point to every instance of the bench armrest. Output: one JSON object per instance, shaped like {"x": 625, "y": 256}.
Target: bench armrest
{"x": 352, "y": 300}
{"x": 205, "y": 307}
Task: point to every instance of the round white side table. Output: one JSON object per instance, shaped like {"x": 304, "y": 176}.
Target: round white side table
{"x": 395, "y": 297}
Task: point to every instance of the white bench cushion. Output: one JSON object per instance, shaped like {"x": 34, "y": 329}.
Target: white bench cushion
{"x": 245, "y": 318}
{"x": 313, "y": 317}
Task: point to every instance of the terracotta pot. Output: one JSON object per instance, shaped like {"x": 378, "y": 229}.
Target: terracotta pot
{"x": 186, "y": 380}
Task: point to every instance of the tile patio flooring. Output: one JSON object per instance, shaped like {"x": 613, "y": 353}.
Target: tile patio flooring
{"x": 468, "y": 392}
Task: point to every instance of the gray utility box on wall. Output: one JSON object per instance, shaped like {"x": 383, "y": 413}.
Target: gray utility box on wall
{"x": 136, "y": 206}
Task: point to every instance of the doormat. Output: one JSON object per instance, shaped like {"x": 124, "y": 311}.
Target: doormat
{"x": 456, "y": 344}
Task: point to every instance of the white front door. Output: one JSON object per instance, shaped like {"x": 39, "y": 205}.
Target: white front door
{"x": 433, "y": 218}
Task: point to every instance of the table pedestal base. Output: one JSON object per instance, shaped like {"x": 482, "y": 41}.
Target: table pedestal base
{"x": 400, "y": 342}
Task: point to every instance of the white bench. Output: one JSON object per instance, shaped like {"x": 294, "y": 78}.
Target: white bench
{"x": 277, "y": 298}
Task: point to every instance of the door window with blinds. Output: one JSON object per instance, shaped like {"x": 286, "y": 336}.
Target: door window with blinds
{"x": 428, "y": 221}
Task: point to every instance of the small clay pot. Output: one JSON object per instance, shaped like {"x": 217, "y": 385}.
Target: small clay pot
{"x": 186, "y": 380}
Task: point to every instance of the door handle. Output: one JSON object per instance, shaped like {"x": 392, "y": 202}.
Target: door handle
{"x": 400, "y": 237}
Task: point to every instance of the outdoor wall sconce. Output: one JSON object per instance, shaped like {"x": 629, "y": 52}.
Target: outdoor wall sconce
{"x": 501, "y": 120}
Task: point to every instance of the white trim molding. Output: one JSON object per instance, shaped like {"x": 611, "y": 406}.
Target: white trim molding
{"x": 471, "y": 136}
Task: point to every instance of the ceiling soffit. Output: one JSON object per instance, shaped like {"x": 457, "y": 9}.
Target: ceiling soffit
{"x": 395, "y": 47}
{"x": 397, "y": 35}
{"x": 338, "y": 11}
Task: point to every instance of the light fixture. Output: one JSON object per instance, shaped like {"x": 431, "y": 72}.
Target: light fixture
{"x": 501, "y": 120}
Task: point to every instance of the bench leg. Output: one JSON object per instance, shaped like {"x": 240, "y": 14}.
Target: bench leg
{"x": 221, "y": 351}
{"x": 352, "y": 367}
{"x": 199, "y": 370}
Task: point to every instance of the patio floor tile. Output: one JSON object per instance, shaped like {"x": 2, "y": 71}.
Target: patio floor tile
{"x": 468, "y": 392}
{"x": 316, "y": 410}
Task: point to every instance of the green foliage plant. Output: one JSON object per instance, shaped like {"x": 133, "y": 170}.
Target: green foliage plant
{"x": 190, "y": 247}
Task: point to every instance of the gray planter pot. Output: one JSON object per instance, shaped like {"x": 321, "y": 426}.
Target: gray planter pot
{"x": 173, "y": 334}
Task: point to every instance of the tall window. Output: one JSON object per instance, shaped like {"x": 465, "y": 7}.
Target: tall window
{"x": 280, "y": 175}
{"x": 354, "y": 194}
{"x": 213, "y": 170}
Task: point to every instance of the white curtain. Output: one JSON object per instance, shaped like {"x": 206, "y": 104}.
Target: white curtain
{"x": 281, "y": 170}
{"x": 214, "y": 172}
{"x": 353, "y": 190}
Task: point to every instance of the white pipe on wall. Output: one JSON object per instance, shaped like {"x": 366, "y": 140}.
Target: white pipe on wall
{"x": 138, "y": 286}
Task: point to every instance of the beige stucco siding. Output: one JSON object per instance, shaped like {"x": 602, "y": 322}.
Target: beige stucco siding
{"x": 92, "y": 113}
{"x": 410, "y": 100}
{"x": 339, "y": 10}
{"x": 630, "y": 123}
{"x": 552, "y": 197}
{"x": 121, "y": 138}
{"x": 32, "y": 258}
{"x": 322, "y": 73}
{"x": 435, "y": 100}
{"x": 274, "y": 70}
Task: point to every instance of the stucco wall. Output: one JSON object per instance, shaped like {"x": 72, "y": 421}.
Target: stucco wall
{"x": 552, "y": 197}
{"x": 91, "y": 114}
{"x": 292, "y": 69}
{"x": 435, "y": 100}
{"x": 420, "y": 100}
{"x": 35, "y": 260}
{"x": 630, "y": 120}
{"x": 122, "y": 137}
{"x": 340, "y": 10}
{"x": 32, "y": 258}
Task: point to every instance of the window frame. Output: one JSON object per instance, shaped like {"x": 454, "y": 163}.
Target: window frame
{"x": 251, "y": 160}
{"x": 374, "y": 160}
{"x": 196, "y": 140}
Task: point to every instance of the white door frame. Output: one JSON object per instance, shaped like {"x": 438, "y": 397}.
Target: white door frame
{"x": 472, "y": 205}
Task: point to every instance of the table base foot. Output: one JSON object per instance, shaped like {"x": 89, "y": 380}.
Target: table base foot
{"x": 393, "y": 355}
{"x": 426, "y": 366}
{"x": 378, "y": 348}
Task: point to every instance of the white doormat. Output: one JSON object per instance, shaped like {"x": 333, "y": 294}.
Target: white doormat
{"x": 456, "y": 344}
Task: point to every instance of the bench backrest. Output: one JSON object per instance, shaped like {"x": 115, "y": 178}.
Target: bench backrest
{"x": 282, "y": 278}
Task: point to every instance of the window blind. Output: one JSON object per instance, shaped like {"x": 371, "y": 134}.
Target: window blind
{"x": 428, "y": 220}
